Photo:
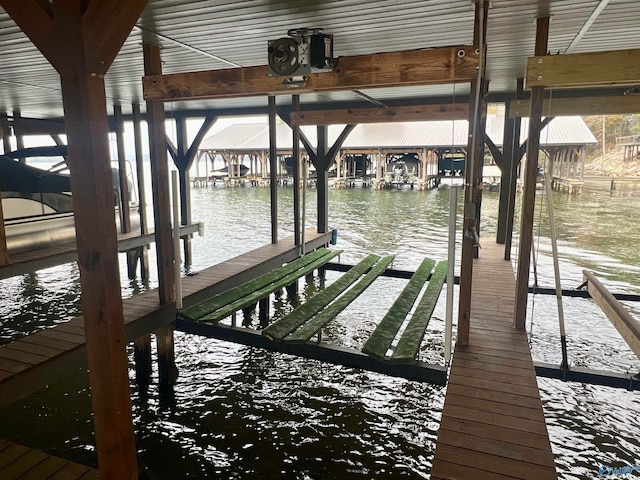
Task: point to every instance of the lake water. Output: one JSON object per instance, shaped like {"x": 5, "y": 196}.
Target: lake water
{"x": 240, "y": 412}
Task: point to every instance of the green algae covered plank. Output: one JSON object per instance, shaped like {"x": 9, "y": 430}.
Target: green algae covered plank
{"x": 218, "y": 301}
{"x": 411, "y": 338}
{"x": 382, "y": 337}
{"x": 287, "y": 324}
{"x": 252, "y": 296}
{"x": 310, "y": 328}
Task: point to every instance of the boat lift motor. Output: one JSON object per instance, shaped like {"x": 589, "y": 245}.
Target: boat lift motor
{"x": 305, "y": 50}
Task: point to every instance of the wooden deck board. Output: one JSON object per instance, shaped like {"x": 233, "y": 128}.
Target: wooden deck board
{"x": 25, "y": 368}
{"x": 492, "y": 421}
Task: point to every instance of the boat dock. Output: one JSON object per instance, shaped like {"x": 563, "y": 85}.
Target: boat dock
{"x": 34, "y": 361}
{"x": 33, "y": 260}
{"x": 492, "y": 423}
{"x": 18, "y": 462}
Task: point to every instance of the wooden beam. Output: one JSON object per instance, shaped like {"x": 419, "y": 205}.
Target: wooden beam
{"x": 618, "y": 67}
{"x": 6, "y": 133}
{"x": 160, "y": 182}
{"x": 273, "y": 169}
{"x": 59, "y": 31}
{"x": 4, "y": 254}
{"x": 381, "y": 115}
{"x": 414, "y": 67}
{"x": 620, "y": 105}
{"x": 125, "y": 214}
{"x": 471, "y": 190}
{"x": 626, "y": 325}
{"x": 104, "y": 38}
{"x": 531, "y": 177}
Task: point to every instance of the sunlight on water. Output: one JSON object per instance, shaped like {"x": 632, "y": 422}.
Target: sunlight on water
{"x": 240, "y": 412}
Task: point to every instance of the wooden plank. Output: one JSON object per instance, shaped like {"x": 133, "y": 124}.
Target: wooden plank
{"x": 11, "y": 454}
{"x": 557, "y": 107}
{"x": 495, "y": 447}
{"x": 381, "y": 115}
{"x": 22, "y": 465}
{"x": 28, "y": 347}
{"x": 287, "y": 324}
{"x": 443, "y": 470}
{"x": 311, "y": 327}
{"x": 382, "y": 337}
{"x": 519, "y": 376}
{"x": 411, "y": 338}
{"x": 490, "y": 418}
{"x": 480, "y": 404}
{"x": 496, "y": 432}
{"x": 13, "y": 366}
{"x": 256, "y": 295}
{"x": 19, "y": 356}
{"x": 72, "y": 471}
{"x": 225, "y": 298}
{"x": 496, "y": 464}
{"x": 48, "y": 467}
{"x": 619, "y": 67}
{"x": 395, "y": 69}
{"x": 626, "y": 325}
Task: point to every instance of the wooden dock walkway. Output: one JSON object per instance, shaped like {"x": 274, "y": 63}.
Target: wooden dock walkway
{"x": 27, "y": 262}
{"x": 36, "y": 360}
{"x": 493, "y": 426}
{"x": 18, "y": 462}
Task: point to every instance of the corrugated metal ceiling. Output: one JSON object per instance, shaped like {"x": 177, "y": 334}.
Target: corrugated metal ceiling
{"x": 238, "y": 31}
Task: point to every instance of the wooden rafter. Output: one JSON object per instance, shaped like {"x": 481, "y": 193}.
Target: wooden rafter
{"x": 395, "y": 69}
{"x": 619, "y": 67}
{"x": 378, "y": 115}
{"x": 620, "y": 105}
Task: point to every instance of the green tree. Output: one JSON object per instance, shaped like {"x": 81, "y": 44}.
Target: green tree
{"x": 614, "y": 126}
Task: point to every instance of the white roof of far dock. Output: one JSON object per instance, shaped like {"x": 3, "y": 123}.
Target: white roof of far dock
{"x": 562, "y": 131}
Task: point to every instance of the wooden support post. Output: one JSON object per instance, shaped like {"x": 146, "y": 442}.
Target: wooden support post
{"x": 4, "y": 254}
{"x": 273, "y": 169}
{"x": 17, "y": 132}
{"x": 182, "y": 145}
{"x": 322, "y": 186}
{"x": 469, "y": 229}
{"x": 531, "y": 176}
{"x": 264, "y": 311}
{"x": 75, "y": 38}
{"x": 167, "y": 369}
{"x": 296, "y": 172}
{"x": 481, "y": 127}
{"x": 123, "y": 190}
{"x": 142, "y": 360}
{"x": 514, "y": 163}
{"x": 6, "y": 145}
{"x": 142, "y": 196}
{"x": 6, "y": 133}
{"x": 505, "y": 179}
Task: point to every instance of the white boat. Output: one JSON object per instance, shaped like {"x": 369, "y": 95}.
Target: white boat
{"x": 37, "y": 206}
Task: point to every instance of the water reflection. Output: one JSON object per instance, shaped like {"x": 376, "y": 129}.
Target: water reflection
{"x": 239, "y": 412}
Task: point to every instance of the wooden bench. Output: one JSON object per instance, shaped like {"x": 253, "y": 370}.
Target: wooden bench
{"x": 383, "y": 336}
{"x": 226, "y": 303}
{"x": 290, "y": 322}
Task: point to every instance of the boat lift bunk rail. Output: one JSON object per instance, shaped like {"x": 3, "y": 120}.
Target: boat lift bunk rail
{"x": 294, "y": 332}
